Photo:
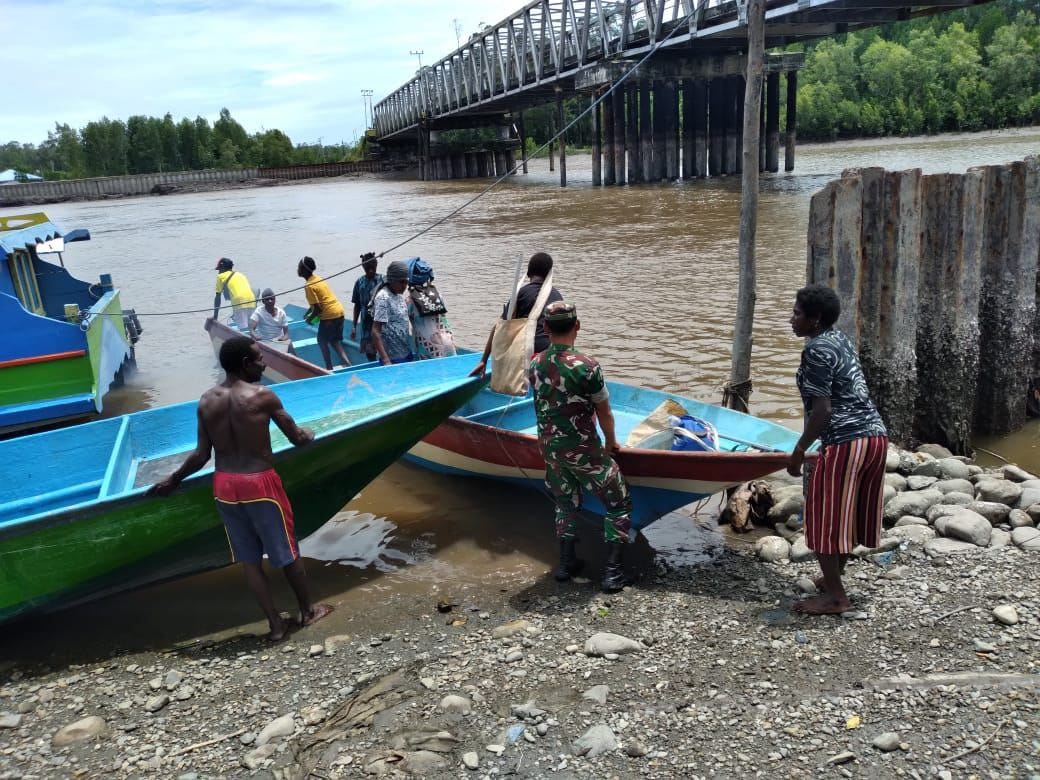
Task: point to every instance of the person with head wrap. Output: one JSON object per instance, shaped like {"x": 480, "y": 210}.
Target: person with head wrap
{"x": 428, "y": 313}
{"x": 365, "y": 287}
{"x": 570, "y": 396}
{"x": 268, "y": 322}
{"x": 233, "y": 286}
{"x": 391, "y": 328}
{"x": 326, "y": 307}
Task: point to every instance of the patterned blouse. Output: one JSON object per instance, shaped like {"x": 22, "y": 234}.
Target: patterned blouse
{"x": 830, "y": 369}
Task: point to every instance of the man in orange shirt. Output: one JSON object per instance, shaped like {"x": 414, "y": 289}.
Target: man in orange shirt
{"x": 326, "y": 307}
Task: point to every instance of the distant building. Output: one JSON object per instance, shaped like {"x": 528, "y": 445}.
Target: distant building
{"x": 11, "y": 176}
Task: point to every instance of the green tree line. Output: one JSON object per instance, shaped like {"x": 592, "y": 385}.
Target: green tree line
{"x": 966, "y": 70}
{"x": 148, "y": 144}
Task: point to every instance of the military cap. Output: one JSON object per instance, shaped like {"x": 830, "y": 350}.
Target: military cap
{"x": 560, "y": 311}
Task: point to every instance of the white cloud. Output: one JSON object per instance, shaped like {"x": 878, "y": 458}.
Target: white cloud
{"x": 300, "y": 69}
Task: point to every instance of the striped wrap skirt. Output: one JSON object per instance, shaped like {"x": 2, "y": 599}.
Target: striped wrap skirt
{"x": 844, "y": 500}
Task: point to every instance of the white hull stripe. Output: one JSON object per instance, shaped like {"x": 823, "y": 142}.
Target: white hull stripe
{"x": 449, "y": 459}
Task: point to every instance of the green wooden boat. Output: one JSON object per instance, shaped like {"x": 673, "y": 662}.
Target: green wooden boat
{"x": 75, "y": 523}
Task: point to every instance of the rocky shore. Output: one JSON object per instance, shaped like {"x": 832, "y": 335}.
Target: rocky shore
{"x": 695, "y": 671}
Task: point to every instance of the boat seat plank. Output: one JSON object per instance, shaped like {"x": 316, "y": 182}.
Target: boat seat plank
{"x": 55, "y": 499}
{"x": 508, "y": 408}
{"x": 115, "y": 479}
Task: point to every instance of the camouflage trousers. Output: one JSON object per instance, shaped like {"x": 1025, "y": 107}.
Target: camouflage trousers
{"x": 569, "y": 472}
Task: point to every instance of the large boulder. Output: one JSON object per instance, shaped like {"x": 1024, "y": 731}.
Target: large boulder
{"x": 991, "y": 510}
{"x": 1030, "y": 496}
{"x": 773, "y": 549}
{"x": 800, "y": 550}
{"x": 916, "y": 482}
{"x": 953, "y": 468}
{"x": 930, "y": 468}
{"x": 914, "y": 534}
{"x": 954, "y": 486}
{"x": 1020, "y": 519}
{"x": 937, "y": 548}
{"x": 941, "y": 510}
{"x": 1001, "y": 491}
{"x": 935, "y": 451}
{"x": 1016, "y": 474}
{"x": 897, "y": 481}
{"x": 1027, "y": 538}
{"x": 892, "y": 460}
{"x": 959, "y": 499}
{"x": 90, "y": 727}
{"x": 913, "y": 502}
{"x": 966, "y": 525}
{"x": 604, "y": 642}
{"x": 1034, "y": 512}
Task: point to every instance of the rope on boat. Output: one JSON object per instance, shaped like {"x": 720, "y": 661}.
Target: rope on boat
{"x": 737, "y": 390}
{"x": 680, "y": 25}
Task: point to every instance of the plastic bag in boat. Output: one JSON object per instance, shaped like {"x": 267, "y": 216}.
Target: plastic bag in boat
{"x": 692, "y": 434}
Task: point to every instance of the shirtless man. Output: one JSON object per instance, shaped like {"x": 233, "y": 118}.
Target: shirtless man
{"x": 234, "y": 419}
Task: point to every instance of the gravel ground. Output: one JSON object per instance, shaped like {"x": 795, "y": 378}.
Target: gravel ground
{"x": 924, "y": 681}
{"x": 697, "y": 670}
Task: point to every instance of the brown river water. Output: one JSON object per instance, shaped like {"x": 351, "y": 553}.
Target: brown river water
{"x": 652, "y": 270}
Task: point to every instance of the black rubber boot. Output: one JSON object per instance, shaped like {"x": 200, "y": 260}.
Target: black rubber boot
{"x": 570, "y": 564}
{"x": 614, "y": 578}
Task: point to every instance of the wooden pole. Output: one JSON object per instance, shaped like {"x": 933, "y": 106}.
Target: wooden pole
{"x": 700, "y": 128}
{"x": 660, "y": 130}
{"x": 773, "y": 123}
{"x": 739, "y": 389}
{"x": 687, "y": 129}
{"x": 716, "y": 127}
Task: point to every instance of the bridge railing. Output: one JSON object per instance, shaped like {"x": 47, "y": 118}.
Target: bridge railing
{"x": 544, "y": 41}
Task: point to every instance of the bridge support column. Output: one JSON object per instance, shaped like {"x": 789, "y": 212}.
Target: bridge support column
{"x": 609, "y": 173}
{"x": 773, "y": 123}
{"x": 597, "y": 141}
{"x": 458, "y": 166}
{"x": 471, "y": 165}
{"x": 716, "y": 127}
{"x": 729, "y": 163}
{"x": 500, "y": 163}
{"x": 523, "y": 140}
{"x": 738, "y": 119}
{"x": 510, "y": 161}
{"x": 646, "y": 135}
{"x": 489, "y": 164}
{"x": 635, "y": 171}
{"x": 762, "y": 166}
{"x": 660, "y": 123}
{"x": 700, "y": 128}
{"x": 671, "y": 130}
{"x": 560, "y": 124}
{"x": 686, "y": 136}
{"x": 792, "y": 119}
{"x": 618, "y": 99}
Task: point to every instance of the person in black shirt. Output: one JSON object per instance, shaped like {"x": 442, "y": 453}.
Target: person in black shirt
{"x": 538, "y": 267}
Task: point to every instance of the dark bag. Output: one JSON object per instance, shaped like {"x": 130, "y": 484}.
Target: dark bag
{"x": 427, "y": 300}
{"x": 370, "y": 306}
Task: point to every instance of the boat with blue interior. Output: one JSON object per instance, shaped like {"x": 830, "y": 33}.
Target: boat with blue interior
{"x": 66, "y": 341}
{"x": 494, "y": 436}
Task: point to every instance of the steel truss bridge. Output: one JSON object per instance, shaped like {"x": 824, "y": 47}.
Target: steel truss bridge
{"x": 544, "y": 49}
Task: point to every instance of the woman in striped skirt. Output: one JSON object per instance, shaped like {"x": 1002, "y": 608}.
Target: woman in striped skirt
{"x": 843, "y": 500}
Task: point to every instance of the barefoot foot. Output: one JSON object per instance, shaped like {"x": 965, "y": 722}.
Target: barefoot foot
{"x": 822, "y": 605}
{"x": 317, "y": 612}
{"x": 278, "y": 632}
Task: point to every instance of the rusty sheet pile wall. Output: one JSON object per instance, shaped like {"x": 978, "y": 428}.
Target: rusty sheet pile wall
{"x": 938, "y": 278}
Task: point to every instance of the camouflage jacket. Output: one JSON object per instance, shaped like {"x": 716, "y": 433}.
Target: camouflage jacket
{"x": 566, "y": 386}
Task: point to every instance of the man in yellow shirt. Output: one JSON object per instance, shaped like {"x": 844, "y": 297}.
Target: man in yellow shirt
{"x": 235, "y": 288}
{"x": 326, "y": 307}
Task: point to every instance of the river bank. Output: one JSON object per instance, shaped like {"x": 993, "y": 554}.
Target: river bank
{"x": 698, "y": 670}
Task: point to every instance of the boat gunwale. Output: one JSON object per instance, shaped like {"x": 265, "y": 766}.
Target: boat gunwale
{"x": 8, "y": 529}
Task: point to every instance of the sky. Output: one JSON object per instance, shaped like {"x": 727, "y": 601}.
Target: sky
{"x": 298, "y": 67}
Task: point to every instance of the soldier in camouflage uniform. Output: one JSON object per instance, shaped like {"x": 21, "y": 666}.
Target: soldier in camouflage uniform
{"x": 569, "y": 396}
